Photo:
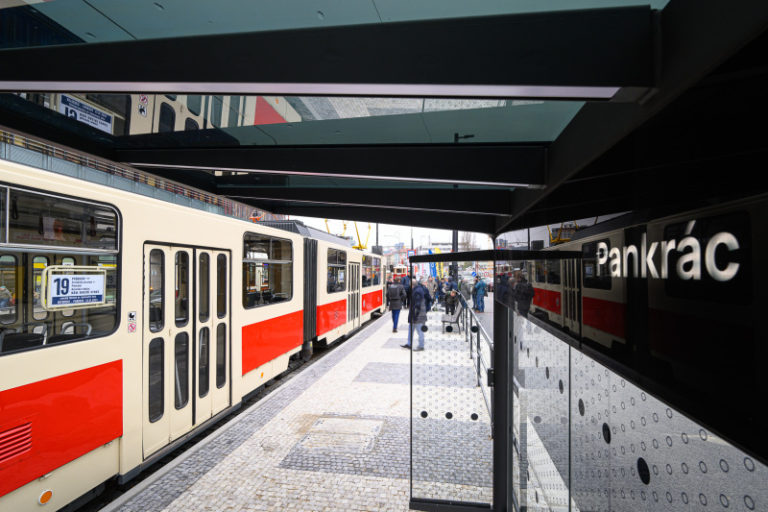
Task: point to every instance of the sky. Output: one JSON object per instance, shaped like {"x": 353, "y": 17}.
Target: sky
{"x": 390, "y": 234}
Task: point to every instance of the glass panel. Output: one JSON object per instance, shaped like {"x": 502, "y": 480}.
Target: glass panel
{"x": 451, "y": 417}
{"x": 221, "y": 286}
{"x": 67, "y": 260}
{"x": 156, "y": 290}
{"x": 195, "y": 104}
{"x": 377, "y": 271}
{"x": 204, "y": 288}
{"x": 3, "y": 200}
{"x": 337, "y": 270}
{"x": 221, "y": 355}
{"x": 38, "y": 265}
{"x": 8, "y": 296}
{"x": 234, "y": 111}
{"x": 37, "y": 219}
{"x": 182, "y": 289}
{"x": 267, "y": 270}
{"x": 156, "y": 379}
{"x": 167, "y": 121}
{"x": 181, "y": 370}
{"x": 204, "y": 362}
{"x": 216, "y": 109}
{"x": 190, "y": 124}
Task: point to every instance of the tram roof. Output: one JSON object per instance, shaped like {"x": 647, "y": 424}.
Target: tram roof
{"x": 479, "y": 116}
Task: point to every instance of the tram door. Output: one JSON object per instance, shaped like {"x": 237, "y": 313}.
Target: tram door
{"x": 571, "y": 279}
{"x": 353, "y": 300}
{"x": 212, "y": 341}
{"x": 171, "y": 351}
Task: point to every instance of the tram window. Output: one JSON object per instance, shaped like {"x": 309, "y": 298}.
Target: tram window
{"x": 337, "y": 270}
{"x": 221, "y": 355}
{"x": 3, "y": 194}
{"x": 376, "y": 271}
{"x": 8, "y": 280}
{"x": 541, "y": 273}
{"x": 204, "y": 287}
{"x": 221, "y": 286}
{"x": 171, "y": 97}
{"x": 217, "y": 103}
{"x": 267, "y": 270}
{"x": 203, "y": 361}
{"x": 195, "y": 103}
{"x": 553, "y": 271}
{"x": 167, "y": 121}
{"x": 156, "y": 380}
{"x": 156, "y": 292}
{"x": 182, "y": 288}
{"x": 234, "y": 111}
{"x": 67, "y": 260}
{"x": 37, "y": 219}
{"x": 595, "y": 276}
{"x": 181, "y": 369}
{"x": 367, "y": 277}
{"x": 38, "y": 265}
{"x": 190, "y": 125}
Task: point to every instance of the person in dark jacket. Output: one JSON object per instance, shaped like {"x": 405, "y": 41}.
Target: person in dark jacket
{"x": 451, "y": 299}
{"x": 406, "y": 282}
{"x": 395, "y": 298}
{"x": 523, "y": 293}
{"x": 417, "y": 315}
{"x": 480, "y": 290}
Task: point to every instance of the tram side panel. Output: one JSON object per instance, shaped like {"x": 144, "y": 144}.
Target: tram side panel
{"x": 372, "y": 286}
{"x": 334, "y": 290}
{"x": 270, "y": 304}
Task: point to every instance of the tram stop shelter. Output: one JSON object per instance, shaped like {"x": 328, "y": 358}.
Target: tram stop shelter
{"x": 485, "y": 117}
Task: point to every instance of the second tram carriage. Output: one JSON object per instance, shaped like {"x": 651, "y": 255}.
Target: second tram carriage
{"x": 169, "y": 317}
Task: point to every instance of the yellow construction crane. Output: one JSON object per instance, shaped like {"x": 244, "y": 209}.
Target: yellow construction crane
{"x": 360, "y": 245}
{"x": 563, "y": 234}
{"x": 328, "y": 229}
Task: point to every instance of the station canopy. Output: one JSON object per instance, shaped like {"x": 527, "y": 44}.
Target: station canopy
{"x": 479, "y": 116}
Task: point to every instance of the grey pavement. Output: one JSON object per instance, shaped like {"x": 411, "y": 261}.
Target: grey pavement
{"x": 337, "y": 436}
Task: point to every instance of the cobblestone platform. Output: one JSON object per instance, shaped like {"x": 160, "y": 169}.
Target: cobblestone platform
{"x": 336, "y": 436}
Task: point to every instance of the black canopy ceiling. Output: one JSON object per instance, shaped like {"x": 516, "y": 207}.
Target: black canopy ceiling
{"x": 525, "y": 118}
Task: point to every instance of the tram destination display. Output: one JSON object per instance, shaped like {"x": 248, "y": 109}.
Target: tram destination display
{"x": 73, "y": 287}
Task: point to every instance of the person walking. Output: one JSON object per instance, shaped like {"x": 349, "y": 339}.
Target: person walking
{"x": 395, "y": 298}
{"x": 432, "y": 288}
{"x": 406, "y": 282}
{"x": 417, "y": 316}
{"x": 479, "y": 295}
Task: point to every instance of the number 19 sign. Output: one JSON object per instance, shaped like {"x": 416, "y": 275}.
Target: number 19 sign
{"x": 68, "y": 287}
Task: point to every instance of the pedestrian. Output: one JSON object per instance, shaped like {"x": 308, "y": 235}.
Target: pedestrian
{"x": 451, "y": 299}
{"x": 406, "y": 282}
{"x": 466, "y": 288}
{"x": 480, "y": 292}
{"x": 523, "y": 293}
{"x": 395, "y": 298}
{"x": 432, "y": 288}
{"x": 417, "y": 316}
{"x": 6, "y": 297}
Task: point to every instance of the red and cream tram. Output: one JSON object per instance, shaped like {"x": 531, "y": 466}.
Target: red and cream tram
{"x": 128, "y": 323}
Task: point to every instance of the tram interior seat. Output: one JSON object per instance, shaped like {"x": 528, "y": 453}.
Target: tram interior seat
{"x": 28, "y": 335}
{"x": 253, "y": 298}
{"x": 267, "y": 295}
{"x": 71, "y": 331}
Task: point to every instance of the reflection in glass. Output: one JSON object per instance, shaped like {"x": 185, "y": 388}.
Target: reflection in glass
{"x": 181, "y": 369}
{"x": 204, "y": 292}
{"x": 155, "y": 378}
{"x": 221, "y": 355}
{"x": 156, "y": 290}
{"x": 182, "y": 288}
{"x": 38, "y": 265}
{"x": 203, "y": 362}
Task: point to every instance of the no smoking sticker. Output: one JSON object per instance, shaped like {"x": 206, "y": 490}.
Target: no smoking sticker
{"x": 131, "y": 321}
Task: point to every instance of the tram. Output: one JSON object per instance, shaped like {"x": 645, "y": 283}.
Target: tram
{"x": 129, "y": 324}
{"x": 399, "y": 272}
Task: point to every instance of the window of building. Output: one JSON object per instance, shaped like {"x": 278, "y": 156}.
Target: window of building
{"x": 39, "y": 226}
{"x": 337, "y": 270}
{"x": 267, "y": 270}
{"x": 167, "y": 121}
{"x": 594, "y": 275}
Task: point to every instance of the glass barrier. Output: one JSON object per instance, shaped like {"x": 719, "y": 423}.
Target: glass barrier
{"x": 451, "y": 419}
{"x": 585, "y": 437}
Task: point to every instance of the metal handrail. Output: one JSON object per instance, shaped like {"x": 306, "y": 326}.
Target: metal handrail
{"x": 476, "y": 354}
